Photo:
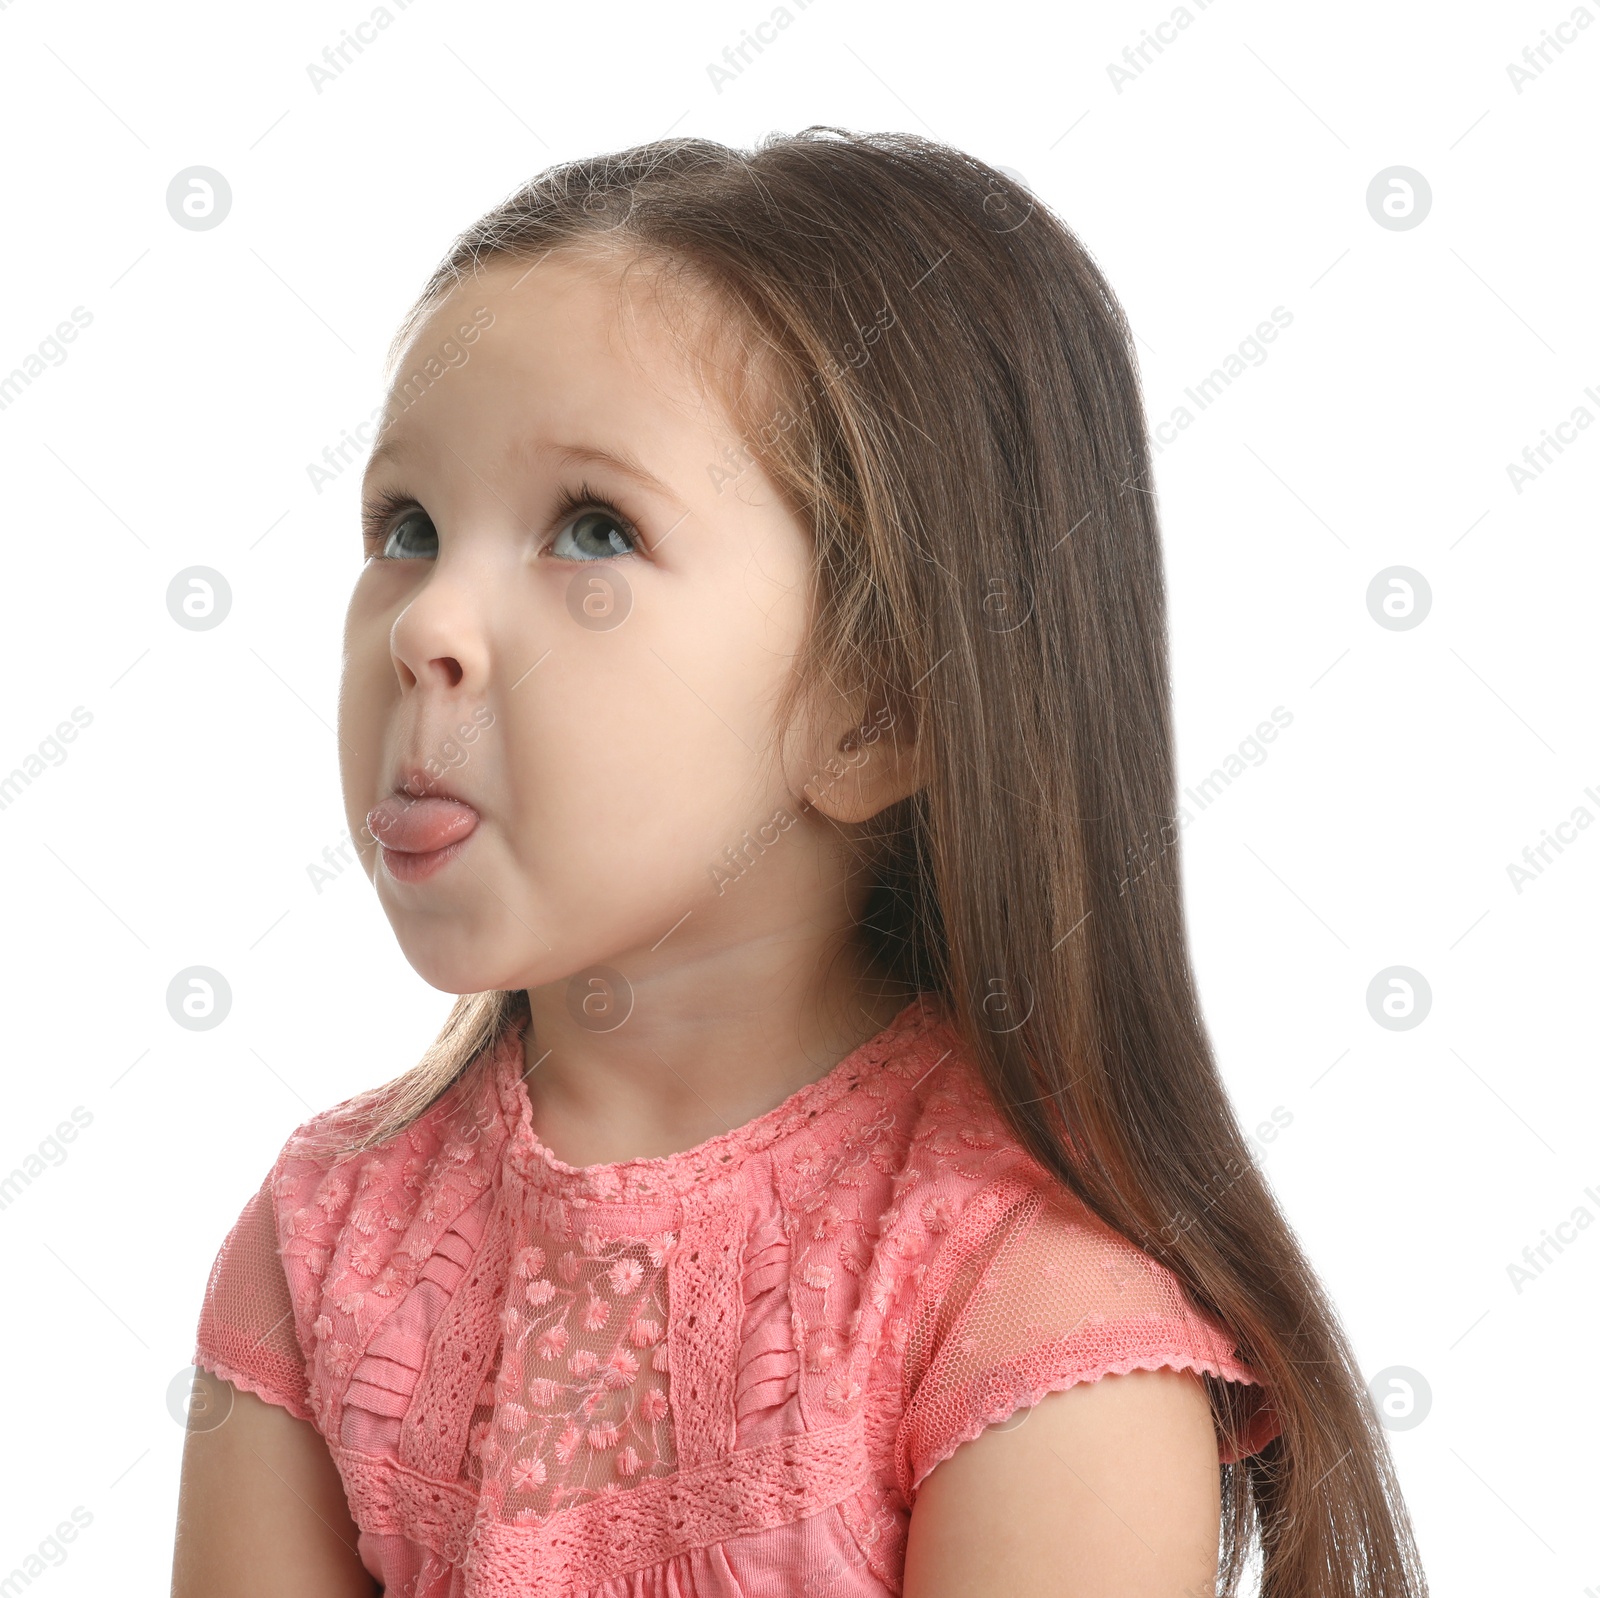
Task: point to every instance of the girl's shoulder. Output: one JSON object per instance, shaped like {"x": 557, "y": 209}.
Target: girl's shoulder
{"x": 337, "y": 1235}
{"x": 999, "y": 1284}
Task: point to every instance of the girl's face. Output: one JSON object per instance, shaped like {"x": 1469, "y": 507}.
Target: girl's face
{"x": 586, "y": 651}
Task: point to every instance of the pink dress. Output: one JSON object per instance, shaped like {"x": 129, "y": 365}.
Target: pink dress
{"x": 721, "y": 1372}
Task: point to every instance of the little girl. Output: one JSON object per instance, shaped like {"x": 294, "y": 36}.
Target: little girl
{"x": 756, "y": 709}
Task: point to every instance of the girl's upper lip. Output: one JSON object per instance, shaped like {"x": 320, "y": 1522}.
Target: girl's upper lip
{"x": 415, "y": 783}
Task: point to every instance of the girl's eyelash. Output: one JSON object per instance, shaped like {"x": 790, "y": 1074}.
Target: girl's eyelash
{"x": 570, "y": 501}
{"x": 378, "y": 513}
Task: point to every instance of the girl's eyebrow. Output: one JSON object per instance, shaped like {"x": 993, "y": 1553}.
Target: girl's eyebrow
{"x": 619, "y": 460}
{"x": 393, "y": 449}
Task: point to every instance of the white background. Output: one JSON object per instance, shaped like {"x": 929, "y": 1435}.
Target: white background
{"x": 1227, "y": 178}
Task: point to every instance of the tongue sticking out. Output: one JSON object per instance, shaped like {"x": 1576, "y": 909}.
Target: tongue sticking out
{"x": 419, "y": 826}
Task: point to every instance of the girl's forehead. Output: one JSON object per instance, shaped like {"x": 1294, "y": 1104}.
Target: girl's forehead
{"x": 598, "y": 337}
{"x": 583, "y": 304}
{"x": 515, "y": 371}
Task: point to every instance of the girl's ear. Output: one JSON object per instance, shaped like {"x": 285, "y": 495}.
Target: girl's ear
{"x": 870, "y": 764}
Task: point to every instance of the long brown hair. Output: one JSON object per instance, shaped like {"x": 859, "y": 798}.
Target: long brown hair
{"x": 929, "y": 362}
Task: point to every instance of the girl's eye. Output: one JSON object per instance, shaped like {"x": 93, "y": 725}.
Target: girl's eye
{"x": 591, "y": 528}
{"x": 412, "y": 537}
{"x": 595, "y": 535}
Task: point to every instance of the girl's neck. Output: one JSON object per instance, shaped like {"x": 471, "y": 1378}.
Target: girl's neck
{"x": 691, "y": 1062}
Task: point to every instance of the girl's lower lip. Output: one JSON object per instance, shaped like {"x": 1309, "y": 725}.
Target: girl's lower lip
{"x": 405, "y": 867}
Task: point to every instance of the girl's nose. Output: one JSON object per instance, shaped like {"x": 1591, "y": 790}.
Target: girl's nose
{"x": 438, "y": 640}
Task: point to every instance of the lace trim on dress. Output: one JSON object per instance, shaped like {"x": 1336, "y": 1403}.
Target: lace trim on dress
{"x": 629, "y": 1530}
{"x": 646, "y": 1178}
{"x": 246, "y": 1334}
{"x": 273, "y": 1391}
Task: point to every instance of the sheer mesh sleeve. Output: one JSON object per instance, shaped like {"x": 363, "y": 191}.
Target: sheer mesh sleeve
{"x": 1034, "y": 1294}
{"x": 246, "y": 1333}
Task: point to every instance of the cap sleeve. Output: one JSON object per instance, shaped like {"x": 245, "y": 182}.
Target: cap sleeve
{"x": 246, "y": 1333}
{"x": 1034, "y": 1294}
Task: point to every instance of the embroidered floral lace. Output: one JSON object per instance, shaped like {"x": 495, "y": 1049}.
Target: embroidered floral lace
{"x": 721, "y": 1372}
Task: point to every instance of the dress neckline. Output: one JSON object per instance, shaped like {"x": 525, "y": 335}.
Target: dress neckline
{"x": 647, "y": 1178}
